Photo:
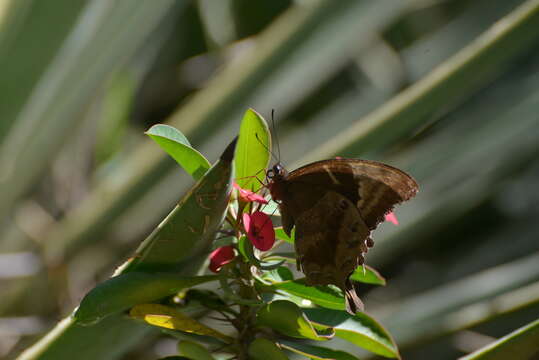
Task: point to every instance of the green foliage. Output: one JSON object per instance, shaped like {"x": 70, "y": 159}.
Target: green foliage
{"x": 288, "y": 319}
{"x": 520, "y": 344}
{"x": 170, "y": 318}
{"x": 361, "y": 329}
{"x": 139, "y": 290}
{"x": 127, "y": 290}
{"x": 446, "y": 90}
{"x": 254, "y": 147}
{"x": 177, "y": 146}
{"x": 194, "y": 351}
{"x": 262, "y": 349}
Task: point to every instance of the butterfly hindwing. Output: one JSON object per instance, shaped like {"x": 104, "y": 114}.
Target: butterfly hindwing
{"x": 330, "y": 243}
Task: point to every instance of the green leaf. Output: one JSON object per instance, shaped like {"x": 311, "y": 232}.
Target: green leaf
{"x": 520, "y": 344}
{"x": 316, "y": 352}
{"x": 191, "y": 226}
{"x": 252, "y": 157}
{"x": 370, "y": 276}
{"x": 126, "y": 290}
{"x": 287, "y": 318}
{"x": 170, "y": 318}
{"x": 192, "y": 350}
{"x": 175, "y": 357}
{"x": 245, "y": 247}
{"x": 361, "y": 330}
{"x": 281, "y": 235}
{"x": 176, "y": 145}
{"x": 328, "y": 297}
{"x": 282, "y": 273}
{"x": 187, "y": 336}
{"x": 264, "y": 349}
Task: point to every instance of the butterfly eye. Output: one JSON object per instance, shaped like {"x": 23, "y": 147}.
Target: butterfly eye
{"x": 270, "y": 173}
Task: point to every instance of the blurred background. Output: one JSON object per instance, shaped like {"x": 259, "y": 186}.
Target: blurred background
{"x": 447, "y": 90}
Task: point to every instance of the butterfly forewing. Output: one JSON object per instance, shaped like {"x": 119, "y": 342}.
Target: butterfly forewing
{"x": 373, "y": 187}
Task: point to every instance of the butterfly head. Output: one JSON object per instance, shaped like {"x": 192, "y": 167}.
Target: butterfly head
{"x": 276, "y": 173}
{"x": 276, "y": 178}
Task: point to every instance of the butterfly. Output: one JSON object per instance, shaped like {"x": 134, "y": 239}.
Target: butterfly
{"x": 335, "y": 205}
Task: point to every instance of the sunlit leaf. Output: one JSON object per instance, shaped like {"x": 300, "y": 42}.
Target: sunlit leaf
{"x": 361, "y": 330}
{"x": 177, "y": 146}
{"x": 279, "y": 274}
{"x": 281, "y": 235}
{"x": 287, "y": 318}
{"x": 170, "y": 318}
{"x": 370, "y": 276}
{"x": 252, "y": 156}
{"x": 325, "y": 296}
{"x": 126, "y": 290}
{"x": 192, "y": 224}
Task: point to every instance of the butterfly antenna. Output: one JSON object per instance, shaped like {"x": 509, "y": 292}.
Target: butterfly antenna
{"x": 275, "y": 133}
{"x": 265, "y": 147}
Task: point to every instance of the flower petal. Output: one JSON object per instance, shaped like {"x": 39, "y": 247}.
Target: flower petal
{"x": 220, "y": 257}
{"x": 390, "y": 216}
{"x": 249, "y": 196}
{"x": 259, "y": 229}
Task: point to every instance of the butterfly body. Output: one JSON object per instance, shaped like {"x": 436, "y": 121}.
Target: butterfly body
{"x": 334, "y": 205}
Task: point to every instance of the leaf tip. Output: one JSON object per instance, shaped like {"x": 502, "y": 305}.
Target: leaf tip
{"x": 228, "y": 154}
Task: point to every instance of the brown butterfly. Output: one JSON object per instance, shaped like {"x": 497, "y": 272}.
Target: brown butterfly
{"x": 334, "y": 205}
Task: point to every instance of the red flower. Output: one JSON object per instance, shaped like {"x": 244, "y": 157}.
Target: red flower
{"x": 259, "y": 229}
{"x": 220, "y": 257}
{"x": 390, "y": 216}
{"x": 249, "y": 196}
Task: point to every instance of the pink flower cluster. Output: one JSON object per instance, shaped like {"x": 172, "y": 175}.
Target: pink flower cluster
{"x": 258, "y": 227}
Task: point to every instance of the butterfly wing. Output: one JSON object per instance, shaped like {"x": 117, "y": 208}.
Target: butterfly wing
{"x": 330, "y": 242}
{"x": 374, "y": 188}
{"x": 335, "y": 204}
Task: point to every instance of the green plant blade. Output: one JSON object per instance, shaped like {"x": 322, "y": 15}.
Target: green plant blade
{"x": 316, "y": 352}
{"x": 325, "y": 296}
{"x": 191, "y": 225}
{"x": 264, "y": 349}
{"x": 522, "y": 343}
{"x": 253, "y": 154}
{"x": 281, "y": 235}
{"x": 282, "y": 273}
{"x": 170, "y": 318}
{"x": 361, "y": 330}
{"x": 370, "y": 276}
{"x": 127, "y": 290}
{"x": 287, "y": 318}
{"x": 176, "y": 145}
{"x": 68, "y": 338}
{"x": 193, "y": 350}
